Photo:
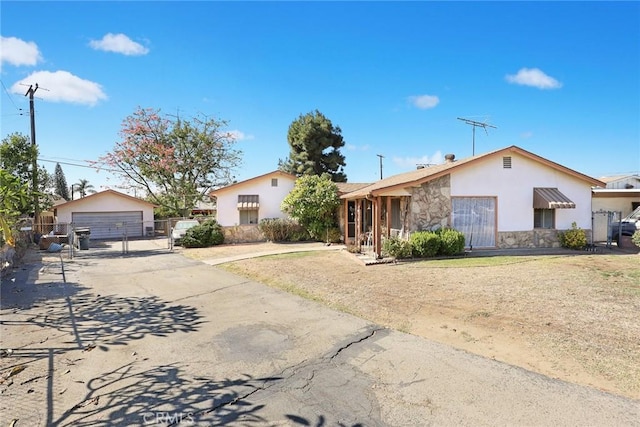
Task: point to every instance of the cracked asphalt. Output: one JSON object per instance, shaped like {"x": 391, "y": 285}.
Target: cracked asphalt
{"x": 154, "y": 338}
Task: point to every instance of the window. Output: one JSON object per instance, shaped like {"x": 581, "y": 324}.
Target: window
{"x": 475, "y": 217}
{"x": 544, "y": 218}
{"x": 248, "y": 206}
{"x": 248, "y": 216}
{"x": 274, "y": 182}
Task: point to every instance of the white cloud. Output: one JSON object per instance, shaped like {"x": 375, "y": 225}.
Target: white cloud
{"x": 424, "y": 102}
{"x": 533, "y": 77}
{"x": 353, "y": 147}
{"x": 18, "y": 52}
{"x": 118, "y": 43}
{"x": 62, "y": 86}
{"x": 412, "y": 162}
{"x": 526, "y": 135}
{"x": 240, "y": 136}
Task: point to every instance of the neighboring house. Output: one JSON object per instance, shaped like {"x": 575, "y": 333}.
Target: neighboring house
{"x": 109, "y": 215}
{"x": 247, "y": 202}
{"x": 626, "y": 182}
{"x": 508, "y": 198}
{"x": 620, "y": 197}
{"x": 204, "y": 208}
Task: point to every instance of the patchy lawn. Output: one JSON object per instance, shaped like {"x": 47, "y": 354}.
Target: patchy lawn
{"x": 575, "y": 318}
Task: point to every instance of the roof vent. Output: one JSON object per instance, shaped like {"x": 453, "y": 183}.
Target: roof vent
{"x": 449, "y": 158}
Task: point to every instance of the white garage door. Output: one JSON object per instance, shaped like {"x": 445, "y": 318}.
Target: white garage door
{"x": 109, "y": 225}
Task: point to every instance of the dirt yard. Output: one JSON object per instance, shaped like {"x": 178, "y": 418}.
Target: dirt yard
{"x": 572, "y": 317}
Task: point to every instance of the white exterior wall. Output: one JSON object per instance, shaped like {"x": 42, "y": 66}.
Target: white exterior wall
{"x": 633, "y": 181}
{"x": 513, "y": 189}
{"x": 107, "y": 202}
{"x": 270, "y": 199}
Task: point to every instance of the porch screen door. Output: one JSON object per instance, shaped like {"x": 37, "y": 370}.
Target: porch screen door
{"x": 475, "y": 217}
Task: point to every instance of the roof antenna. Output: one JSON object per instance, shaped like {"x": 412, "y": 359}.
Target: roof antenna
{"x": 475, "y": 125}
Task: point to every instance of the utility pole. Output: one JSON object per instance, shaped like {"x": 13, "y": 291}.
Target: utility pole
{"x": 475, "y": 125}
{"x": 34, "y": 165}
{"x": 381, "y": 157}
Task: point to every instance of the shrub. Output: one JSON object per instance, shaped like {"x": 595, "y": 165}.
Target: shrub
{"x": 335, "y": 236}
{"x": 576, "y": 238}
{"x": 636, "y": 238}
{"x": 282, "y": 230}
{"x": 300, "y": 235}
{"x": 396, "y": 248}
{"x": 451, "y": 241}
{"x": 424, "y": 244}
{"x": 276, "y": 229}
{"x": 209, "y": 233}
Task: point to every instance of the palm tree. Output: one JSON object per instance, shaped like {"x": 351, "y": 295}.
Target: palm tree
{"x": 83, "y": 187}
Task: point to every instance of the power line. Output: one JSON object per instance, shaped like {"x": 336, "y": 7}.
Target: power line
{"x": 10, "y": 98}
{"x": 80, "y": 166}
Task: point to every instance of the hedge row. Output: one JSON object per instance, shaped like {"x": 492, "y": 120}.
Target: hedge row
{"x": 425, "y": 244}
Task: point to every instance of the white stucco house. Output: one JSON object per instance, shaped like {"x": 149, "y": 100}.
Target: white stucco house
{"x": 507, "y": 198}
{"x": 245, "y": 203}
{"x": 619, "y": 198}
{"x": 108, "y": 214}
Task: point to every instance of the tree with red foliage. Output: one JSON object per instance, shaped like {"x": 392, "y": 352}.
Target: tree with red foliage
{"x": 176, "y": 161}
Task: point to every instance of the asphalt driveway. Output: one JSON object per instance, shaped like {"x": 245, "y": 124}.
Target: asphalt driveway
{"x": 159, "y": 339}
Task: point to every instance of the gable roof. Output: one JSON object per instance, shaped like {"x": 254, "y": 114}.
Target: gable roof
{"x": 614, "y": 178}
{"x": 101, "y": 194}
{"x": 348, "y": 187}
{"x": 420, "y": 176}
{"x": 275, "y": 173}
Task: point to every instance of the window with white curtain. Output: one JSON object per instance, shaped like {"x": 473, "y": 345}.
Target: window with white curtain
{"x": 475, "y": 217}
{"x": 544, "y": 218}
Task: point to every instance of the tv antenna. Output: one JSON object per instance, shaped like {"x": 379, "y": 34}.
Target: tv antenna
{"x": 476, "y": 124}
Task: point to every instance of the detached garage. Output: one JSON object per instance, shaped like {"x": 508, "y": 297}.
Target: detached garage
{"x": 109, "y": 214}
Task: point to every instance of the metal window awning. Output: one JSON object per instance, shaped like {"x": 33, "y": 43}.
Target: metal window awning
{"x": 248, "y": 202}
{"x": 551, "y": 198}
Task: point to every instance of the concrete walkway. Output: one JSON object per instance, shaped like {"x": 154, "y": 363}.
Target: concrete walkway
{"x": 280, "y": 249}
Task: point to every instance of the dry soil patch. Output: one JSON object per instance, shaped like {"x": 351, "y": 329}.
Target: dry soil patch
{"x": 570, "y": 317}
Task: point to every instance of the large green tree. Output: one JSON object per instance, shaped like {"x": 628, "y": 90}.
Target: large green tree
{"x": 60, "y": 182}
{"x": 176, "y": 161}
{"x": 313, "y": 202}
{"x": 315, "y": 148}
{"x": 17, "y": 156}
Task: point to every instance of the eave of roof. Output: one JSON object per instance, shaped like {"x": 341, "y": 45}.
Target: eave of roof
{"x": 255, "y": 178}
{"x": 348, "y": 187}
{"x": 102, "y": 193}
{"x": 420, "y": 176}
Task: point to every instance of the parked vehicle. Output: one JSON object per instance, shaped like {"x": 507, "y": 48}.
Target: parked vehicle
{"x": 626, "y": 227}
{"x": 180, "y": 229}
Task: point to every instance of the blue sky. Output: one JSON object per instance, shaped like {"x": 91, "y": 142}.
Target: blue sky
{"x": 560, "y": 79}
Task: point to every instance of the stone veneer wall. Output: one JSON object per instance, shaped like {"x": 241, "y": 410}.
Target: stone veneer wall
{"x": 242, "y": 234}
{"x": 531, "y": 239}
{"x": 431, "y": 205}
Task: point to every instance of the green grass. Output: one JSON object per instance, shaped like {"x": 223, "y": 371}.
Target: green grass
{"x": 487, "y": 261}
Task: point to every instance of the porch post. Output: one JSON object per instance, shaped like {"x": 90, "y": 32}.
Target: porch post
{"x": 345, "y": 221}
{"x": 358, "y": 206}
{"x": 388, "y": 217}
{"x": 377, "y": 210}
